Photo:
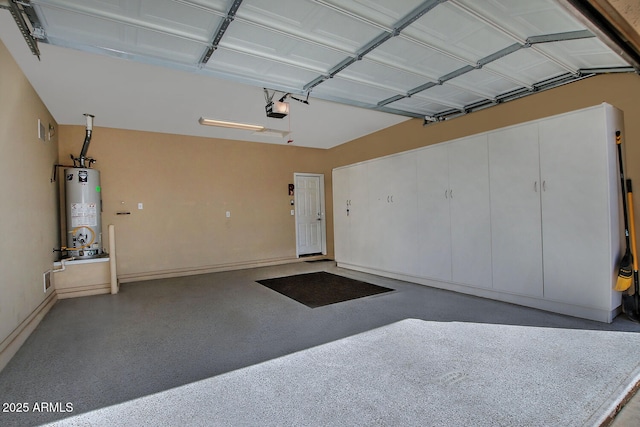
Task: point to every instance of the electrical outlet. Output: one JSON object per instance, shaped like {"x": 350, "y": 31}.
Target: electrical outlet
{"x": 140, "y": 206}
{"x": 228, "y": 214}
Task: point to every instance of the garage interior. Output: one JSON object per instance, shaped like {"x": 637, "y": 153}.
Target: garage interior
{"x": 205, "y": 211}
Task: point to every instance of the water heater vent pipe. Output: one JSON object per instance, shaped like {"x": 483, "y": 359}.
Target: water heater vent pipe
{"x": 87, "y": 141}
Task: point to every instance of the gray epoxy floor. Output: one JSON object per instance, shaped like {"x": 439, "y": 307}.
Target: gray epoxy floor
{"x": 98, "y": 351}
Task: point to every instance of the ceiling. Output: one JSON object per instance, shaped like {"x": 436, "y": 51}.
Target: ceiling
{"x": 362, "y": 65}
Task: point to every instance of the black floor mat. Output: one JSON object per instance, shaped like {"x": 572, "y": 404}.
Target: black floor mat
{"x": 321, "y": 288}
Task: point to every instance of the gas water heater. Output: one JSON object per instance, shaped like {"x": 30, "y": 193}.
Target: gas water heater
{"x": 83, "y": 204}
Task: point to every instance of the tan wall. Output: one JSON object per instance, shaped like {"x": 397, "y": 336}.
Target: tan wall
{"x": 620, "y": 90}
{"x": 28, "y": 205}
{"x": 186, "y": 185}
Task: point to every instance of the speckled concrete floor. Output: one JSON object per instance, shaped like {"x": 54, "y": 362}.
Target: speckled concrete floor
{"x": 158, "y": 339}
{"x": 410, "y": 373}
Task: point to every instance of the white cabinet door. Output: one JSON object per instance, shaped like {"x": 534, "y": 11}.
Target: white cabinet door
{"x": 470, "y": 211}
{"x": 351, "y": 215}
{"x": 516, "y": 228}
{"x": 404, "y": 250}
{"x": 393, "y": 213}
{"x": 576, "y": 208}
{"x": 359, "y": 235}
{"x": 380, "y": 186}
{"x": 340, "y": 188}
{"x": 434, "y": 217}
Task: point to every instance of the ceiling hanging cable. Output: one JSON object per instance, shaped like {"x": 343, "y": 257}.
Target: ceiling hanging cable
{"x": 290, "y": 140}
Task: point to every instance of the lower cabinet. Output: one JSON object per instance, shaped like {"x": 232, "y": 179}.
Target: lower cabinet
{"x": 527, "y": 214}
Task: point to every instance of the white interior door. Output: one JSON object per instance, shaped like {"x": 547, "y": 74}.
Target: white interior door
{"x": 310, "y": 215}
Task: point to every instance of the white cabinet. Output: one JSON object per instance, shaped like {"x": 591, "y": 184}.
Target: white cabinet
{"x": 434, "y": 215}
{"x": 393, "y": 214}
{"x": 470, "y": 211}
{"x": 527, "y": 214}
{"x": 351, "y": 214}
{"x": 341, "y": 219}
{"x": 453, "y": 209}
{"x": 580, "y": 219}
{"x": 516, "y": 224}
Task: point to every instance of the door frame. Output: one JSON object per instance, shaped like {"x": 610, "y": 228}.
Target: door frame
{"x": 323, "y": 226}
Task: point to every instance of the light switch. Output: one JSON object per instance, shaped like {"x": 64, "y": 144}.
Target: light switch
{"x": 228, "y": 214}
{"x": 293, "y": 212}
{"x": 140, "y": 206}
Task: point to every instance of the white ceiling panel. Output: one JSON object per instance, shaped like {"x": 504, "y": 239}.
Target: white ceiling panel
{"x": 421, "y": 105}
{"x": 253, "y": 68}
{"x": 170, "y": 14}
{"x": 523, "y": 18}
{"x": 262, "y": 42}
{"x": 92, "y": 30}
{"x": 157, "y": 45}
{"x": 413, "y": 58}
{"x": 584, "y": 53}
{"x": 380, "y": 12}
{"x": 403, "y": 53}
{"x": 338, "y": 87}
{"x": 383, "y": 76}
{"x": 485, "y": 82}
{"x": 528, "y": 65}
{"x": 451, "y": 95}
{"x": 310, "y": 20}
{"x": 458, "y": 32}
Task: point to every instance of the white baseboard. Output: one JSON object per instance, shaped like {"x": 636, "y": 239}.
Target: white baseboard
{"x": 10, "y": 345}
{"x": 591, "y": 313}
{"x": 165, "y": 274}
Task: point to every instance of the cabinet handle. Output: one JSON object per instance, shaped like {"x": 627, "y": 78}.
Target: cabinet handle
{"x": 391, "y": 199}
{"x": 535, "y": 186}
{"x": 544, "y": 185}
{"x": 445, "y": 194}
{"x": 451, "y": 194}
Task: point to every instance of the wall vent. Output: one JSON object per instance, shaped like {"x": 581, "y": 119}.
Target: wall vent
{"x": 47, "y": 280}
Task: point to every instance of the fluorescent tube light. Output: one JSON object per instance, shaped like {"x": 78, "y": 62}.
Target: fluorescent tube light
{"x": 233, "y": 125}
